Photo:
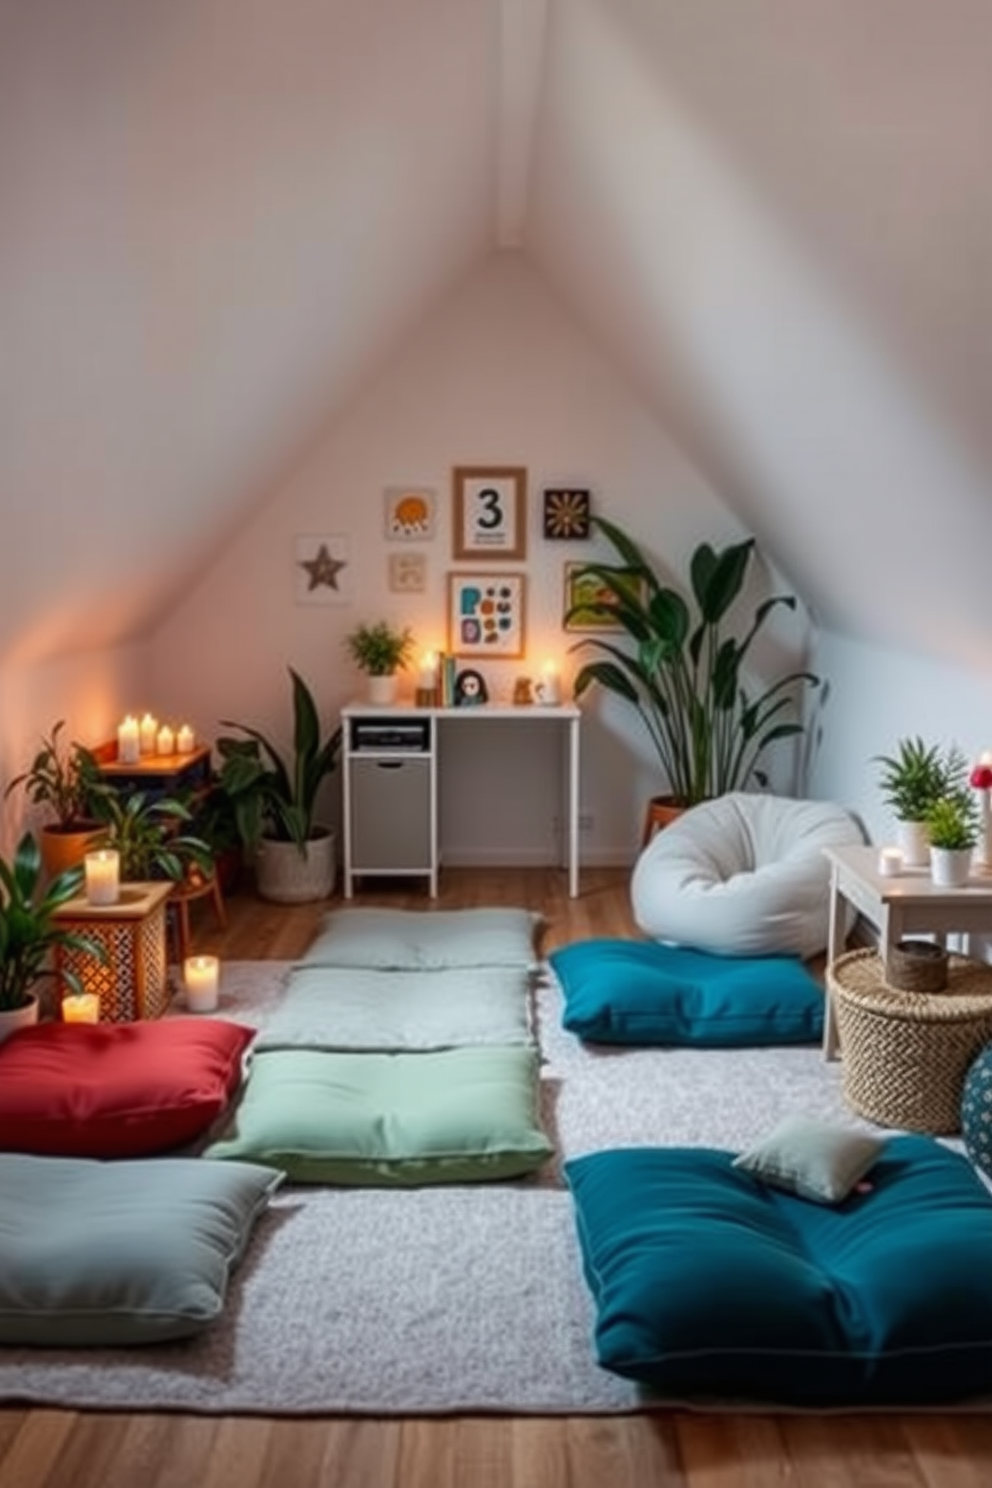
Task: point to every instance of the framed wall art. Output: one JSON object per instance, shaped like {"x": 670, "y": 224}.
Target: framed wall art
{"x": 566, "y": 514}
{"x": 586, "y": 598}
{"x": 322, "y": 569}
{"x": 407, "y": 573}
{"x": 410, "y": 513}
{"x": 490, "y": 512}
{"x": 486, "y": 614}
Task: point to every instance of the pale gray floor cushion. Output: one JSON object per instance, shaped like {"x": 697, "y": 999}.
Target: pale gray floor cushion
{"x": 328, "y": 1007}
{"x": 742, "y": 875}
{"x": 111, "y": 1253}
{"x": 425, "y": 940}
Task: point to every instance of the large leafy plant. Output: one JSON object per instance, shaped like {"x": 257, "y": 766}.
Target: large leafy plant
{"x": 150, "y": 836}
{"x": 62, "y": 777}
{"x": 29, "y": 932}
{"x": 684, "y": 670}
{"x": 273, "y": 795}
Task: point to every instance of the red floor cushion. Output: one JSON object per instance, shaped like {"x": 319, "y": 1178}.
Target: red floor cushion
{"x": 116, "y": 1089}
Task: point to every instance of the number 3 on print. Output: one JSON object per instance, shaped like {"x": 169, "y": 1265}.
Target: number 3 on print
{"x": 490, "y": 512}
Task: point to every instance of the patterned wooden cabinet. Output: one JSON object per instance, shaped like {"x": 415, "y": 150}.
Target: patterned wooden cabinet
{"x": 133, "y": 982}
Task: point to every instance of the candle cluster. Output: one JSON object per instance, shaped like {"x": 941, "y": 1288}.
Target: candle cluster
{"x": 148, "y": 736}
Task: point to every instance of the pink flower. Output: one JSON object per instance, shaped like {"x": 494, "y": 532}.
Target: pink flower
{"x": 981, "y": 777}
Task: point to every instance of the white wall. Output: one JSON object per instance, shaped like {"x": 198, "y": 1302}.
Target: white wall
{"x": 500, "y": 375}
{"x": 90, "y": 690}
{"x": 877, "y": 696}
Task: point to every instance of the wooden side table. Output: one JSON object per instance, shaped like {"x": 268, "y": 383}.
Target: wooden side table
{"x": 909, "y": 903}
{"x": 133, "y": 982}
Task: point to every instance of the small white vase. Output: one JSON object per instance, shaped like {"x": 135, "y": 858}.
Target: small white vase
{"x": 382, "y": 690}
{"x": 913, "y": 840}
{"x": 950, "y": 867}
{"x": 11, "y": 1019}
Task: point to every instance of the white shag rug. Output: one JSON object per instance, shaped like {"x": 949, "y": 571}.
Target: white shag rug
{"x": 437, "y": 1300}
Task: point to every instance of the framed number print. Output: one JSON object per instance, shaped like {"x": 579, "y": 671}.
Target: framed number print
{"x": 490, "y": 516}
{"x": 486, "y": 614}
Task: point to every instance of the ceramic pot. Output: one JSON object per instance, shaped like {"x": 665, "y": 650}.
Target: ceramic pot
{"x": 63, "y": 847}
{"x": 286, "y": 876}
{"x": 950, "y": 867}
{"x": 382, "y": 690}
{"x": 11, "y": 1019}
{"x": 913, "y": 840}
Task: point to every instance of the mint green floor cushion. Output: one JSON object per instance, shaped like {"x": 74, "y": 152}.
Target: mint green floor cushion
{"x": 102, "y": 1254}
{"x": 333, "y": 1007}
{"x": 424, "y": 939}
{"x": 459, "y": 1116}
{"x": 638, "y": 992}
{"x": 708, "y": 1282}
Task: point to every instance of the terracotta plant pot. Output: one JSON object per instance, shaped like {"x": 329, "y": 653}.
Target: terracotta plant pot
{"x": 66, "y": 847}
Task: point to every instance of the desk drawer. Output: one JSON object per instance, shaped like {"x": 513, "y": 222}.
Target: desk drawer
{"x": 390, "y": 814}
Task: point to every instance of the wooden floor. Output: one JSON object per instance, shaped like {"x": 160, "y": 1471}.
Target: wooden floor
{"x": 66, "y": 1449}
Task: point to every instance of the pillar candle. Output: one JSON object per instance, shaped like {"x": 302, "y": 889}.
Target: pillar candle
{"x": 890, "y": 862}
{"x": 103, "y": 870}
{"x": 81, "y": 1007}
{"x": 549, "y": 690}
{"x": 149, "y": 729}
{"x": 128, "y": 741}
{"x": 185, "y": 740}
{"x": 428, "y": 672}
{"x": 165, "y": 740}
{"x": 201, "y": 976}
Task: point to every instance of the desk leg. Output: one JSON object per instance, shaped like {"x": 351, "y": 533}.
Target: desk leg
{"x": 349, "y": 888}
{"x": 834, "y": 948}
{"x": 573, "y": 808}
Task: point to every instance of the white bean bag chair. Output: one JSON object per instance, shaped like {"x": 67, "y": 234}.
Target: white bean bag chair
{"x": 742, "y": 875}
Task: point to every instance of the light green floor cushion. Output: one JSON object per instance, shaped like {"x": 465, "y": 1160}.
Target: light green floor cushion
{"x": 101, "y": 1254}
{"x": 329, "y": 1007}
{"x": 425, "y": 940}
{"x": 460, "y": 1116}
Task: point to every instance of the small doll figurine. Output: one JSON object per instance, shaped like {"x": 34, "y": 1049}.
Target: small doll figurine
{"x": 470, "y": 690}
{"x": 523, "y": 691}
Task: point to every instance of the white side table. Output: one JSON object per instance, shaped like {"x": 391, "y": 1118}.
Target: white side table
{"x": 906, "y": 904}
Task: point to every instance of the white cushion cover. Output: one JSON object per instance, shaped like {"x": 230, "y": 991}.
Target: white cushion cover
{"x": 742, "y": 875}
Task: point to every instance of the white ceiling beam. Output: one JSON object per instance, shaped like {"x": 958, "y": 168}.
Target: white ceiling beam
{"x": 523, "y": 25}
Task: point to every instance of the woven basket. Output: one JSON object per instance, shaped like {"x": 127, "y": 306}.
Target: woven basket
{"x": 905, "y": 1054}
{"x": 916, "y": 966}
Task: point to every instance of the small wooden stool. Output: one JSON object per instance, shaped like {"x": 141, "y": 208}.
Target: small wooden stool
{"x": 184, "y": 893}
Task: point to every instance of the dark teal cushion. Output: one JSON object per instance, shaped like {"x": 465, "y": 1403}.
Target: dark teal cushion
{"x": 708, "y": 1283}
{"x": 976, "y": 1111}
{"x": 638, "y": 992}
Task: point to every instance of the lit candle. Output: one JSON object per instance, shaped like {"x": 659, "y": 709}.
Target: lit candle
{"x": 549, "y": 689}
{"x": 103, "y": 874}
{"x": 185, "y": 740}
{"x": 201, "y": 975}
{"x": 81, "y": 1007}
{"x": 428, "y": 671}
{"x": 128, "y": 741}
{"x": 890, "y": 862}
{"x": 165, "y": 740}
{"x": 149, "y": 729}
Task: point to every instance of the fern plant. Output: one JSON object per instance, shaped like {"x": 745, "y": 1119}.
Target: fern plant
{"x": 952, "y": 821}
{"x": 917, "y": 775}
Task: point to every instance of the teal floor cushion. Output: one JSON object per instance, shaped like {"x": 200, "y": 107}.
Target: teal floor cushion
{"x": 460, "y": 1116}
{"x": 709, "y": 1282}
{"x": 638, "y": 992}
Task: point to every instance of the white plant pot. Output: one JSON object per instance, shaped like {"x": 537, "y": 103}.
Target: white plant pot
{"x": 11, "y": 1019}
{"x": 912, "y": 837}
{"x": 382, "y": 690}
{"x": 286, "y": 876}
{"x": 950, "y": 868}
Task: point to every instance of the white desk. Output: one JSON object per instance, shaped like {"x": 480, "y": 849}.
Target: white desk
{"x": 906, "y": 903}
{"x": 369, "y": 854}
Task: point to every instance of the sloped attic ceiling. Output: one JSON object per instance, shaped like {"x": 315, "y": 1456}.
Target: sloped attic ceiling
{"x": 217, "y": 217}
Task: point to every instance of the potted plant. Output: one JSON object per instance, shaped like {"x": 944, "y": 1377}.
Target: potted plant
{"x": 911, "y": 780}
{"x": 62, "y": 778}
{"x": 148, "y": 835}
{"x": 952, "y": 824}
{"x": 275, "y": 802}
{"x": 682, "y": 669}
{"x": 380, "y": 650}
{"x": 29, "y": 932}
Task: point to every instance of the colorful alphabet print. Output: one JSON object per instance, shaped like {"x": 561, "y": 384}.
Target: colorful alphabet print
{"x": 486, "y": 614}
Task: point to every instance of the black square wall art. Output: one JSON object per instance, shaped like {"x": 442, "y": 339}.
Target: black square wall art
{"x": 566, "y": 513}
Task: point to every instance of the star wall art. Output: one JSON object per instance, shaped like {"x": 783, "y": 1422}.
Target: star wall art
{"x": 323, "y": 570}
